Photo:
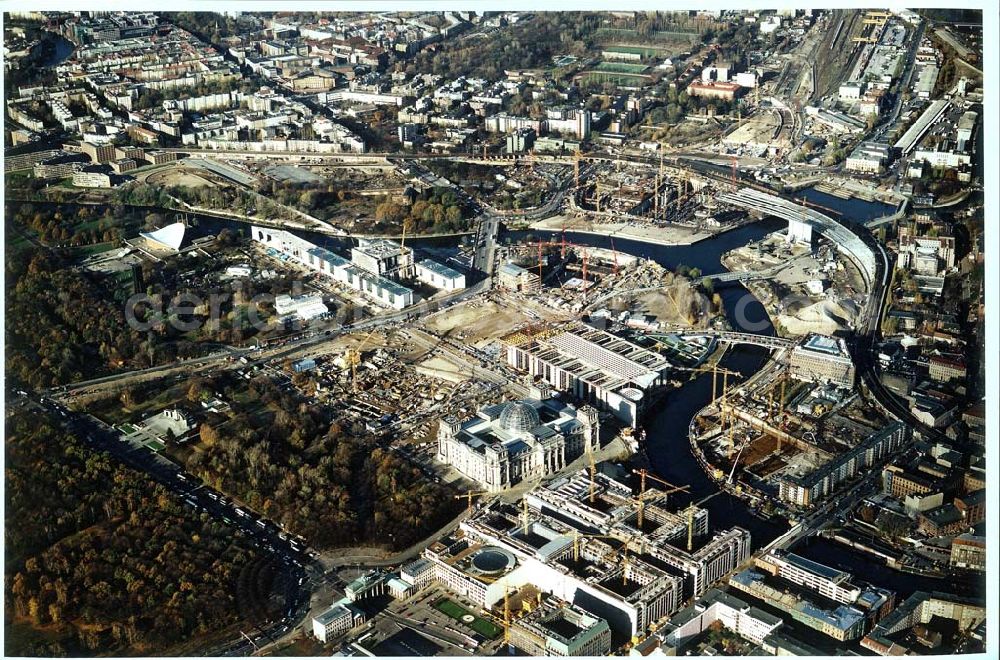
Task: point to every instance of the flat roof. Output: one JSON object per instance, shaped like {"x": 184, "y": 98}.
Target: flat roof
{"x": 440, "y": 269}
{"x": 813, "y": 567}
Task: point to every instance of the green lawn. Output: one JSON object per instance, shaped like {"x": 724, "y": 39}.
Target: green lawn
{"x": 643, "y": 51}
{"x": 485, "y": 628}
{"x": 624, "y": 79}
{"x": 620, "y": 67}
{"x": 96, "y": 248}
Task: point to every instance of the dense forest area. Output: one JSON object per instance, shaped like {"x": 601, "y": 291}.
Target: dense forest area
{"x": 98, "y": 559}
{"x": 72, "y": 224}
{"x": 328, "y": 482}
{"x": 530, "y": 45}
{"x": 63, "y": 324}
{"x": 434, "y": 210}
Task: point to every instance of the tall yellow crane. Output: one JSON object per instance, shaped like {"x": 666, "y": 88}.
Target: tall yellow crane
{"x": 354, "y": 359}
{"x": 470, "y": 494}
{"x": 643, "y": 473}
{"x": 576, "y": 541}
{"x": 690, "y": 521}
{"x": 625, "y": 560}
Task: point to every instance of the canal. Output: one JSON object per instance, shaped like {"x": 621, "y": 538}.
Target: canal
{"x": 851, "y": 209}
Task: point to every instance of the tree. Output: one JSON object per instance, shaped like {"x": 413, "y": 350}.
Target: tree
{"x": 208, "y": 434}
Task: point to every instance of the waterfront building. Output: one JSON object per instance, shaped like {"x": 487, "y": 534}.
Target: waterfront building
{"x": 510, "y": 442}
{"x": 384, "y": 258}
{"x": 869, "y": 158}
{"x": 593, "y": 365}
{"x": 289, "y": 246}
{"x": 842, "y": 622}
{"x": 968, "y": 551}
{"x": 823, "y": 359}
{"x": 665, "y": 530}
{"x": 439, "y": 276}
{"x": 806, "y": 488}
{"x": 514, "y": 278}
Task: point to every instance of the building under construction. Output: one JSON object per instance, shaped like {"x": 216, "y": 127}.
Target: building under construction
{"x": 580, "y": 539}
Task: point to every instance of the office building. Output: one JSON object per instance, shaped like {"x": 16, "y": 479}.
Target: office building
{"x": 561, "y": 629}
{"x": 718, "y": 607}
{"x": 806, "y": 488}
{"x": 968, "y": 551}
{"x": 286, "y": 245}
{"x": 384, "y": 258}
{"x": 439, "y": 276}
{"x": 594, "y": 366}
{"x": 823, "y": 359}
{"x": 338, "y": 620}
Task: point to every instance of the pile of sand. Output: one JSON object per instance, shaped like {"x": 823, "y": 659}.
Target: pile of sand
{"x": 824, "y": 317}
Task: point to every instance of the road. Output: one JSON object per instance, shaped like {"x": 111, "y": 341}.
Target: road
{"x": 292, "y": 552}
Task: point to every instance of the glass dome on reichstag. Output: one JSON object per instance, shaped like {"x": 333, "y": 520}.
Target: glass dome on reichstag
{"x": 518, "y": 416}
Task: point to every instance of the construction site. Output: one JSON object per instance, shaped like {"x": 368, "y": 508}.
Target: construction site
{"x": 785, "y": 427}
{"x": 626, "y": 548}
{"x": 813, "y": 290}
{"x": 569, "y": 279}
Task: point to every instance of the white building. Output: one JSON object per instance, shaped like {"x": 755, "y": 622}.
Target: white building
{"x": 384, "y": 258}
{"x": 515, "y": 441}
{"x": 747, "y": 79}
{"x": 750, "y": 623}
{"x": 851, "y": 91}
{"x": 305, "y": 307}
{"x": 592, "y": 365}
{"x": 799, "y": 232}
{"x": 325, "y": 262}
{"x": 336, "y": 621}
{"x": 439, "y": 276}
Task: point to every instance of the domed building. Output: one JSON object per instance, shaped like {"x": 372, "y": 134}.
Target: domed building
{"x": 509, "y": 442}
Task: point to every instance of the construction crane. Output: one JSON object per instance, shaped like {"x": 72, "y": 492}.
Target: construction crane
{"x": 354, "y": 359}
{"x": 644, "y": 473}
{"x": 470, "y": 494}
{"x": 576, "y": 542}
{"x": 593, "y": 473}
{"x": 625, "y": 560}
{"x": 690, "y": 521}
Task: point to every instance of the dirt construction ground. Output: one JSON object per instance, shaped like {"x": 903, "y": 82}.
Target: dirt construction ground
{"x": 176, "y": 175}
{"x": 479, "y": 322}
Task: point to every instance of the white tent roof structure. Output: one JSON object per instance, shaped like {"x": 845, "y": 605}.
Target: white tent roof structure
{"x": 170, "y": 236}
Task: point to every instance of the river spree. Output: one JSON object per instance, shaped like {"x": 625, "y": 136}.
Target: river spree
{"x": 666, "y": 426}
